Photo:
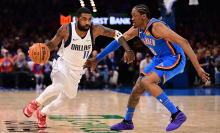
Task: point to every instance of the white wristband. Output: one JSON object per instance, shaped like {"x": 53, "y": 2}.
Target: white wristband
{"x": 118, "y": 34}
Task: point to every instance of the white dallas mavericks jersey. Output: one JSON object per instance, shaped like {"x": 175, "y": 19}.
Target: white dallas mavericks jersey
{"x": 75, "y": 51}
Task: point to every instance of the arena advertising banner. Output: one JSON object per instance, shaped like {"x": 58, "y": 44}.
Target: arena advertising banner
{"x": 112, "y": 19}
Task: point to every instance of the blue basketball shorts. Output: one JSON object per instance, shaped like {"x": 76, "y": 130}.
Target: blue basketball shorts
{"x": 166, "y": 67}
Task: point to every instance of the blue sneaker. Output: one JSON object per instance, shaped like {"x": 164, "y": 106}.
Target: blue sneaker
{"x": 124, "y": 125}
{"x": 177, "y": 120}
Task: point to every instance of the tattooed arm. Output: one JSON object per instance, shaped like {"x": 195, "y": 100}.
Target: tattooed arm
{"x": 104, "y": 31}
{"x": 62, "y": 33}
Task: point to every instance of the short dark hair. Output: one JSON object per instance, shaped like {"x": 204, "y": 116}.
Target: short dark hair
{"x": 83, "y": 10}
{"x": 143, "y": 9}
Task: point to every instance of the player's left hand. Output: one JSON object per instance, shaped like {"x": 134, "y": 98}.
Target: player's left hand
{"x": 129, "y": 56}
{"x": 91, "y": 63}
{"x": 203, "y": 75}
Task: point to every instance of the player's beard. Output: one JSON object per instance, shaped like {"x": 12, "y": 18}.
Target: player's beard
{"x": 80, "y": 27}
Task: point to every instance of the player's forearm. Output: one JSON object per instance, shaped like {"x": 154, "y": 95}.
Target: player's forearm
{"x": 50, "y": 45}
{"x": 123, "y": 43}
{"x": 189, "y": 52}
{"x": 61, "y": 33}
{"x": 110, "y": 48}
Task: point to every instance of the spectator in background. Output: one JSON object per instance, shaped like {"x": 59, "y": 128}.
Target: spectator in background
{"x": 6, "y": 43}
{"x": 46, "y": 71}
{"x": 2, "y": 53}
{"x": 99, "y": 77}
{"x": 217, "y": 72}
{"x": 103, "y": 68}
{"x": 38, "y": 73}
{"x": 92, "y": 79}
{"x": 215, "y": 54}
{"x": 136, "y": 65}
{"x": 94, "y": 53}
{"x": 113, "y": 67}
{"x": 6, "y": 73}
{"x": 208, "y": 63}
{"x": 145, "y": 62}
{"x": 199, "y": 54}
{"x": 53, "y": 53}
{"x": 15, "y": 56}
{"x": 21, "y": 69}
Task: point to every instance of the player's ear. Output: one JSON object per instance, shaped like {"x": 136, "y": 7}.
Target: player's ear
{"x": 143, "y": 16}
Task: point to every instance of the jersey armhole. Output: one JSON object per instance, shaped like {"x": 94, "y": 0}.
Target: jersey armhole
{"x": 91, "y": 33}
{"x": 67, "y": 43}
{"x": 150, "y": 30}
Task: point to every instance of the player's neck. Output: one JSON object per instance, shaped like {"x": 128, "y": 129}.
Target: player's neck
{"x": 80, "y": 33}
{"x": 144, "y": 25}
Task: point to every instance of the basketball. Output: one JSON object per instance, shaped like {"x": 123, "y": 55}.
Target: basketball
{"x": 39, "y": 53}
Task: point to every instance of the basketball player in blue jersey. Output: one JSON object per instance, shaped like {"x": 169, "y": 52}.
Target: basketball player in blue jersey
{"x": 77, "y": 41}
{"x": 169, "y": 60}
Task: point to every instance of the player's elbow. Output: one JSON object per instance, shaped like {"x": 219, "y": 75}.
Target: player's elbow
{"x": 185, "y": 41}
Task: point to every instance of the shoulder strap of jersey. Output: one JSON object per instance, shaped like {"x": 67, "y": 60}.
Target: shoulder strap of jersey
{"x": 67, "y": 43}
{"x": 91, "y": 33}
{"x": 156, "y": 20}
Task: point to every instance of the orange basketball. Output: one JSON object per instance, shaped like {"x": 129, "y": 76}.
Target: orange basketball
{"x": 39, "y": 53}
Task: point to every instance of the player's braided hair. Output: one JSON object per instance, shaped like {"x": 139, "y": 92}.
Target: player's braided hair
{"x": 143, "y": 9}
{"x": 82, "y": 10}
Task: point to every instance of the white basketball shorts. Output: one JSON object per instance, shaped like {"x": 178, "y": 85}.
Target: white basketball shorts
{"x": 72, "y": 77}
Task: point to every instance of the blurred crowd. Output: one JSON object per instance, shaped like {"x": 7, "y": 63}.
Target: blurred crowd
{"x": 18, "y": 72}
{"x": 25, "y": 22}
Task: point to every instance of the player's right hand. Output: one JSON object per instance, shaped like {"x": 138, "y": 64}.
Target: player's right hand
{"x": 91, "y": 63}
{"x": 203, "y": 75}
{"x": 129, "y": 56}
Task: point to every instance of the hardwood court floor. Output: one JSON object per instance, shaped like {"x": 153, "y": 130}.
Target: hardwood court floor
{"x": 97, "y": 110}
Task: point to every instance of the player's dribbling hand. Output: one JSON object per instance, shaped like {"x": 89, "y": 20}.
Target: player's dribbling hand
{"x": 129, "y": 56}
{"x": 91, "y": 63}
{"x": 203, "y": 75}
{"x": 29, "y": 49}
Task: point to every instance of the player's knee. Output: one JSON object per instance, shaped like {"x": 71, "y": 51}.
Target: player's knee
{"x": 146, "y": 83}
{"x": 59, "y": 87}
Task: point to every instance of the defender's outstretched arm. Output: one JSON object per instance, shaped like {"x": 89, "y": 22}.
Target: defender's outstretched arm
{"x": 160, "y": 30}
{"x": 131, "y": 33}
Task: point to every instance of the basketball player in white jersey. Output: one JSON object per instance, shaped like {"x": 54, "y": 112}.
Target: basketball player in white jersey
{"x": 77, "y": 41}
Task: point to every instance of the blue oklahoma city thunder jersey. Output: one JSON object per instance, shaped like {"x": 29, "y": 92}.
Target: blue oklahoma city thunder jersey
{"x": 160, "y": 47}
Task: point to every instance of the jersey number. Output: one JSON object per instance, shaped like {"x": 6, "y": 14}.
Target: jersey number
{"x": 152, "y": 51}
{"x": 86, "y": 54}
